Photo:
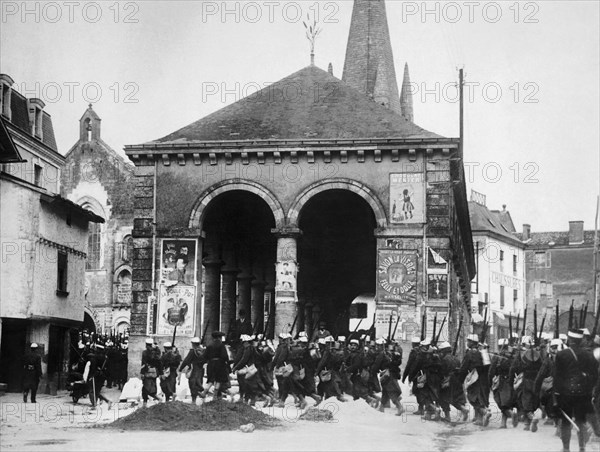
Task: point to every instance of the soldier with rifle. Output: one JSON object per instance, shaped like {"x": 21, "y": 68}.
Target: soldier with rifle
{"x": 217, "y": 369}
{"x": 500, "y": 383}
{"x": 194, "y": 362}
{"x": 575, "y": 374}
{"x": 411, "y": 372}
{"x": 170, "y": 361}
{"x": 474, "y": 373}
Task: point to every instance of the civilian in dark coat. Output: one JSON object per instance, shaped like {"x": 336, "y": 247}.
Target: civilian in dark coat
{"x": 32, "y": 367}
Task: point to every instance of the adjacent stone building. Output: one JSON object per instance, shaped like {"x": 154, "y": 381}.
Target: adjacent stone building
{"x": 294, "y": 201}
{"x": 499, "y": 285}
{"x": 99, "y": 179}
{"x": 560, "y": 267}
{"x": 44, "y": 242}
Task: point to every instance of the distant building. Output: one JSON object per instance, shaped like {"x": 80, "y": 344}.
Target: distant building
{"x": 499, "y": 285}
{"x": 560, "y": 266}
{"x": 44, "y": 241}
{"x": 100, "y": 180}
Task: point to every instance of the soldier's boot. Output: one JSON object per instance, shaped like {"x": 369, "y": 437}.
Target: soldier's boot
{"x": 436, "y": 416}
{"x": 381, "y": 408}
{"x": 465, "y": 413}
{"x": 565, "y": 436}
{"x": 503, "y": 421}
{"x": 534, "y": 425}
{"x": 400, "y": 409}
{"x": 24, "y": 397}
{"x": 583, "y": 435}
{"x": 515, "y": 419}
{"x": 478, "y": 417}
{"x": 318, "y": 399}
{"x": 447, "y": 416}
{"x": 487, "y": 414}
{"x": 420, "y": 411}
{"x": 303, "y": 403}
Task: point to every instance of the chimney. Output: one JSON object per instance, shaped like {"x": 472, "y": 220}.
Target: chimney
{"x": 6, "y": 83}
{"x": 36, "y": 108}
{"x": 526, "y": 232}
{"x": 575, "y": 232}
{"x": 330, "y": 69}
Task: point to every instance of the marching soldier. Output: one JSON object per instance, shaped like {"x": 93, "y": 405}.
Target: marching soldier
{"x": 194, "y": 361}
{"x": 544, "y": 381}
{"x": 523, "y": 372}
{"x": 451, "y": 388}
{"x": 411, "y": 372}
{"x": 170, "y": 361}
{"x": 474, "y": 373}
{"x": 575, "y": 374}
{"x": 32, "y": 366}
{"x": 151, "y": 370}
{"x": 500, "y": 383}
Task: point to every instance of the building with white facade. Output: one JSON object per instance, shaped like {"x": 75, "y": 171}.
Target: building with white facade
{"x": 499, "y": 286}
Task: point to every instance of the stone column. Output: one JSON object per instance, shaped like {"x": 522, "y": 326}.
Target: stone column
{"x": 258, "y": 304}
{"x": 245, "y": 293}
{"x": 286, "y": 269}
{"x": 212, "y": 294}
{"x": 228, "y": 298}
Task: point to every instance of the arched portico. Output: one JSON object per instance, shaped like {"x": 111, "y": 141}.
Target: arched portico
{"x": 199, "y": 209}
{"x": 338, "y": 184}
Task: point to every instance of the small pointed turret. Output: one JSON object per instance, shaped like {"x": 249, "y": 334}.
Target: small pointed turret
{"x": 89, "y": 125}
{"x": 406, "y": 100}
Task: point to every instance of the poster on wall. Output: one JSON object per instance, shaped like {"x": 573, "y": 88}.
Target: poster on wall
{"x": 397, "y": 276}
{"x": 176, "y": 306}
{"x": 286, "y": 272}
{"x": 437, "y": 287}
{"x": 178, "y": 262}
{"x": 407, "y": 198}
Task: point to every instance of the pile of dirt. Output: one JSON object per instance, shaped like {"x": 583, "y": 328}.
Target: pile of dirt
{"x": 317, "y": 415}
{"x": 178, "y": 416}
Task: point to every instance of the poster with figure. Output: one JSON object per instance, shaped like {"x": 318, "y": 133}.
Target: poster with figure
{"x": 286, "y": 279}
{"x": 397, "y": 276}
{"x": 407, "y": 198}
{"x": 176, "y": 306}
{"x": 178, "y": 262}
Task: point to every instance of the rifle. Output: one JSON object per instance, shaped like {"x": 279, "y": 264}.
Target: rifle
{"x": 518, "y": 318}
{"x": 423, "y": 326}
{"x": 595, "y": 330}
{"x": 294, "y": 324}
{"x": 372, "y": 329}
{"x": 440, "y": 331}
{"x": 571, "y": 316}
{"x": 395, "y": 327}
{"x": 510, "y": 329}
{"x": 315, "y": 325}
{"x": 390, "y": 329}
{"x": 535, "y": 330}
{"x": 524, "y": 322}
{"x": 484, "y": 327}
{"x": 203, "y": 333}
{"x": 587, "y": 303}
{"x": 457, "y": 336}
{"x": 542, "y": 326}
{"x": 434, "y": 327}
{"x": 355, "y": 330}
{"x": 267, "y": 324}
{"x": 556, "y": 327}
{"x": 174, "y": 333}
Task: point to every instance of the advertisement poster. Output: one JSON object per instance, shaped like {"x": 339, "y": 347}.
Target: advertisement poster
{"x": 176, "y": 306}
{"x": 437, "y": 287}
{"x": 397, "y": 276}
{"x": 407, "y": 198}
{"x": 286, "y": 279}
{"x": 178, "y": 262}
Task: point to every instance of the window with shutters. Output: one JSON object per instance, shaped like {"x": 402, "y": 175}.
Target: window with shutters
{"x": 93, "y": 253}
{"x": 61, "y": 274}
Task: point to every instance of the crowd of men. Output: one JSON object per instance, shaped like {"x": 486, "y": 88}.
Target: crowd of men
{"x": 558, "y": 376}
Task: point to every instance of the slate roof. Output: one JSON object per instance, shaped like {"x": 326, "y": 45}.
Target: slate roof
{"x": 485, "y": 220}
{"x": 8, "y": 151}
{"x": 560, "y": 238}
{"x": 20, "y": 118}
{"x": 309, "y": 104}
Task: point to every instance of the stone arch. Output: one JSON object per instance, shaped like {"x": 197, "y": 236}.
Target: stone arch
{"x": 91, "y": 203}
{"x": 199, "y": 209}
{"x": 338, "y": 184}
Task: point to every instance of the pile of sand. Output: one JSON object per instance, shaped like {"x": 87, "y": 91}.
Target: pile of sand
{"x": 179, "y": 416}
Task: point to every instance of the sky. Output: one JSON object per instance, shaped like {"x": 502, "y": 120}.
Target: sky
{"x": 532, "y": 95}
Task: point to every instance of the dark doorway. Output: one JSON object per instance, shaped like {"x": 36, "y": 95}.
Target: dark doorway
{"x": 14, "y": 332}
{"x": 238, "y": 228}
{"x": 336, "y": 256}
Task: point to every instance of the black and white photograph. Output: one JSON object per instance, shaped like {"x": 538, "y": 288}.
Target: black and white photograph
{"x": 311, "y": 225}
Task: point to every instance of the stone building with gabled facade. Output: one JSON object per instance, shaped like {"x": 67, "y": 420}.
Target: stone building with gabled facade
{"x": 295, "y": 201}
{"x": 96, "y": 177}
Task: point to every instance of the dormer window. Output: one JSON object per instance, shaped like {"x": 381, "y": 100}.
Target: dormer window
{"x": 5, "y": 95}
{"x": 36, "y": 108}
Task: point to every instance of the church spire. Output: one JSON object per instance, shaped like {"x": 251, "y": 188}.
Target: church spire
{"x": 406, "y": 100}
{"x": 369, "y": 64}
